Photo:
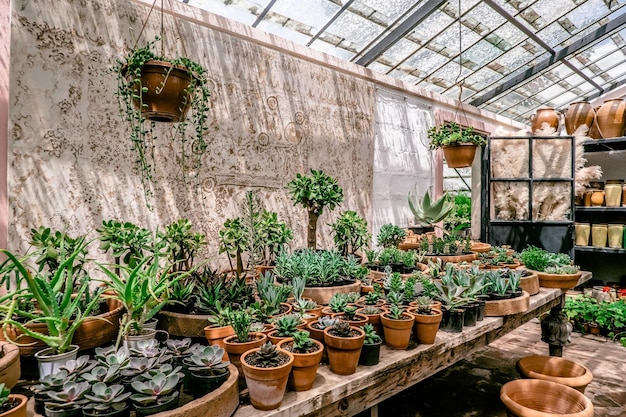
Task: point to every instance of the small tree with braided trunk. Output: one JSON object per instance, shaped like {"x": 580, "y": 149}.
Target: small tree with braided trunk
{"x": 315, "y": 192}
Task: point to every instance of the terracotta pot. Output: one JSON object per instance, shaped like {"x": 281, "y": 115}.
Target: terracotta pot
{"x": 235, "y": 349}
{"x": 436, "y": 305}
{"x": 579, "y": 113}
{"x": 9, "y": 364}
{"x": 172, "y": 101}
{"x": 314, "y": 332}
{"x": 183, "y": 325}
{"x": 547, "y": 115}
{"x": 555, "y": 369}
{"x": 275, "y": 338}
{"x": 397, "y": 332}
{"x": 537, "y": 398}
{"x": 480, "y": 247}
{"x": 459, "y": 156}
{"x": 343, "y": 352}
{"x": 426, "y": 326}
{"x": 305, "y": 366}
{"x": 374, "y": 320}
{"x": 216, "y": 335}
{"x": 266, "y": 386}
{"x": 20, "y": 409}
{"x": 611, "y": 118}
{"x": 322, "y": 295}
{"x": 495, "y": 308}
{"x": 90, "y": 334}
{"x": 530, "y": 283}
{"x": 564, "y": 281}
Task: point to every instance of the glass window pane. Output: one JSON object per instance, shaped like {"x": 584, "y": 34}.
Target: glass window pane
{"x": 354, "y": 28}
{"x": 314, "y": 13}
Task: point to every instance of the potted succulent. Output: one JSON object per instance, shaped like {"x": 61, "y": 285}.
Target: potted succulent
{"x": 555, "y": 270}
{"x": 344, "y": 344}
{"x": 243, "y": 339}
{"x": 458, "y": 144}
{"x": 315, "y": 192}
{"x": 68, "y": 401}
{"x": 307, "y": 354}
{"x": 12, "y": 405}
{"x": 274, "y": 237}
{"x": 60, "y": 309}
{"x": 286, "y": 327}
{"x": 427, "y": 320}
{"x": 266, "y": 371}
{"x": 350, "y": 233}
{"x": 155, "y": 88}
{"x": 207, "y": 369}
{"x": 397, "y": 327}
{"x": 158, "y": 392}
{"x": 232, "y": 241}
{"x": 370, "y": 354}
{"x": 107, "y": 400}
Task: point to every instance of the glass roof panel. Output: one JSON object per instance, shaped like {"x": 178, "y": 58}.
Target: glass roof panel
{"x": 494, "y": 50}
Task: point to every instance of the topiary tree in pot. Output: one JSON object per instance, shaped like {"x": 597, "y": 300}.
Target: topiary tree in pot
{"x": 315, "y": 192}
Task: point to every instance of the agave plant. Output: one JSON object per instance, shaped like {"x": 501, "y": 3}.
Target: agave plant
{"x": 427, "y": 212}
{"x": 107, "y": 398}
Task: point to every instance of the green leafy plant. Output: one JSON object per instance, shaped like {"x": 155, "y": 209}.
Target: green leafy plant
{"x": 72, "y": 395}
{"x": 182, "y": 244}
{"x": 273, "y": 235}
{"x": 461, "y": 215}
{"x": 287, "y": 325}
{"x": 371, "y": 337}
{"x": 241, "y": 321}
{"x": 350, "y": 233}
{"x": 390, "y": 236}
{"x": 452, "y": 134}
{"x": 159, "y": 389}
{"x": 130, "y": 92}
{"x": 302, "y": 341}
{"x": 315, "y": 192}
{"x": 233, "y": 241}
{"x": 208, "y": 360}
{"x": 127, "y": 242}
{"x": 541, "y": 260}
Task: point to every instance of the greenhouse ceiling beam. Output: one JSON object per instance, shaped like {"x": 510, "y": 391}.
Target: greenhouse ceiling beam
{"x": 532, "y": 35}
{"x": 402, "y": 30}
{"x": 263, "y": 13}
{"x": 330, "y": 22}
{"x": 559, "y": 55}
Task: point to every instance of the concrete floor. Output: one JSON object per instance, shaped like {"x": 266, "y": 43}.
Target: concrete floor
{"x": 472, "y": 387}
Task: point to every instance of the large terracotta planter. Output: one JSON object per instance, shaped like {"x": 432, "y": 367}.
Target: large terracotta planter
{"x": 611, "y": 118}
{"x": 305, "y": 365}
{"x": 322, "y": 295}
{"x": 266, "y": 386}
{"x": 495, "y": 308}
{"x": 165, "y": 98}
{"x": 547, "y": 115}
{"x": 183, "y": 325}
{"x": 459, "y": 156}
{"x": 555, "y": 369}
{"x": 530, "y": 283}
{"x": 426, "y": 326}
{"x": 91, "y": 333}
{"x": 9, "y": 364}
{"x": 215, "y": 335}
{"x": 235, "y": 349}
{"x": 343, "y": 352}
{"x": 397, "y": 332}
{"x": 537, "y": 398}
{"x": 579, "y": 113}
{"x": 563, "y": 281}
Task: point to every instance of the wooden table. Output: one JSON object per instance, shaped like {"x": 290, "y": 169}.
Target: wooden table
{"x": 335, "y": 395}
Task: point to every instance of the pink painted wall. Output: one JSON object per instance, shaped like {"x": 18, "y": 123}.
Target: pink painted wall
{"x": 5, "y": 52}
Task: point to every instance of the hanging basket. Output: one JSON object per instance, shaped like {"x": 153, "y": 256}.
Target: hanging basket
{"x": 166, "y": 96}
{"x": 459, "y": 156}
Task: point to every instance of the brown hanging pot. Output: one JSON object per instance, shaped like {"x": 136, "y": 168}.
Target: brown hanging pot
{"x": 459, "y": 156}
{"x": 165, "y": 91}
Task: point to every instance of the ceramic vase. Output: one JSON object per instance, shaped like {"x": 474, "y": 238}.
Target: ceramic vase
{"x": 548, "y": 116}
{"x": 615, "y": 233}
{"x": 599, "y": 235}
{"x": 579, "y": 113}
{"x": 611, "y": 118}
{"x": 582, "y": 231}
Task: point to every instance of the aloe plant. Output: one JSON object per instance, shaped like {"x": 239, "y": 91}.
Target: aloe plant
{"x": 427, "y": 212}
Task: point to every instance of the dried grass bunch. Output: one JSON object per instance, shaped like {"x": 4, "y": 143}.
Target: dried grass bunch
{"x": 551, "y": 159}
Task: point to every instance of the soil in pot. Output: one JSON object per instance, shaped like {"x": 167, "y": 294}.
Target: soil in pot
{"x": 15, "y": 406}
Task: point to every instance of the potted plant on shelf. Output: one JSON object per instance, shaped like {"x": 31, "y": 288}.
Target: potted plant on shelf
{"x": 427, "y": 320}
{"x": 315, "y": 192}
{"x": 266, "y": 370}
{"x": 243, "y": 339}
{"x": 274, "y": 237}
{"x": 350, "y": 233}
{"x": 344, "y": 344}
{"x": 458, "y": 144}
{"x": 307, "y": 354}
{"x": 286, "y": 327}
{"x": 128, "y": 243}
{"x": 12, "y": 405}
{"x": 152, "y": 88}
{"x": 397, "y": 327}
{"x": 60, "y": 309}
{"x": 370, "y": 354}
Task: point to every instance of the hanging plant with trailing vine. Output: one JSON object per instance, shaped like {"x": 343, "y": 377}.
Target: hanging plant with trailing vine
{"x": 131, "y": 91}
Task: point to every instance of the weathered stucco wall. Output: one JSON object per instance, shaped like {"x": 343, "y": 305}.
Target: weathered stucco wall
{"x": 273, "y": 115}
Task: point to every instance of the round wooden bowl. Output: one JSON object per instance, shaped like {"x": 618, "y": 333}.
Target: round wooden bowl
{"x": 480, "y": 247}
{"x": 563, "y": 281}
{"x": 508, "y": 306}
{"x": 555, "y": 369}
{"x": 322, "y": 295}
{"x": 538, "y": 398}
{"x": 530, "y": 283}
